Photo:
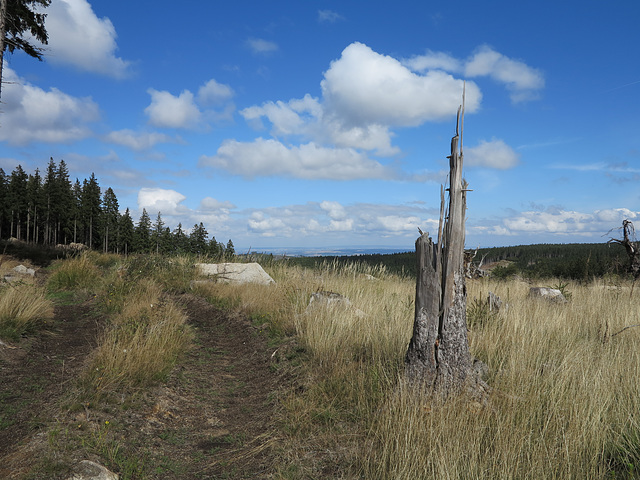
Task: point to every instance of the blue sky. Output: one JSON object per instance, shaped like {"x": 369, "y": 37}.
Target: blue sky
{"x": 324, "y": 123}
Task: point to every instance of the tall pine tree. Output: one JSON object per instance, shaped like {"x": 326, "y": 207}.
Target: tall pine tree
{"x": 142, "y": 237}
{"x": 110, "y": 217}
{"x": 17, "y": 201}
{"x": 91, "y": 209}
{"x": 126, "y": 233}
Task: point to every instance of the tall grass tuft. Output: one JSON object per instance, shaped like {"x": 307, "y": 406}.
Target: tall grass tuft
{"x": 174, "y": 274}
{"x": 142, "y": 344}
{"x": 23, "y": 309}
{"x": 79, "y": 273}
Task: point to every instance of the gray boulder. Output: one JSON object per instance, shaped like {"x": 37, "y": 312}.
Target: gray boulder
{"x": 235, "y": 273}
{"x": 88, "y": 470}
{"x": 329, "y": 300}
{"x": 22, "y": 270}
{"x": 547, "y": 293}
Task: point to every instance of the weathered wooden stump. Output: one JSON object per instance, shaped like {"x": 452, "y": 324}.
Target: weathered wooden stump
{"x": 438, "y": 357}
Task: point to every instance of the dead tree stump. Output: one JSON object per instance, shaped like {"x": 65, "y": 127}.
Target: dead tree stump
{"x": 438, "y": 357}
{"x": 632, "y": 247}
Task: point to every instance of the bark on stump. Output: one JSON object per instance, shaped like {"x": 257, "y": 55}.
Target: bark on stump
{"x": 438, "y": 357}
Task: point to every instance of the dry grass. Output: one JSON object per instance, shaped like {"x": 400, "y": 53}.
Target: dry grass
{"x": 562, "y": 399}
{"x": 565, "y": 401}
{"x": 23, "y": 308}
{"x": 142, "y": 344}
{"x": 79, "y": 273}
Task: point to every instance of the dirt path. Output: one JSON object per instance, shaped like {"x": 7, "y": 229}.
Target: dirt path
{"x": 213, "y": 418}
{"x": 35, "y": 374}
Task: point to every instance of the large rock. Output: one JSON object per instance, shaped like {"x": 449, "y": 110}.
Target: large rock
{"x": 547, "y": 293}
{"x": 236, "y": 272}
{"x": 329, "y": 300}
{"x": 87, "y": 470}
{"x": 22, "y": 270}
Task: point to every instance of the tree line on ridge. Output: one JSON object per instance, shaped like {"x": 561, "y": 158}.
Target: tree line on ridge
{"x": 50, "y": 210}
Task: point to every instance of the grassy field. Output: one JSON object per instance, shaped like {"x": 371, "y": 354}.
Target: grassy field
{"x": 564, "y": 400}
{"x": 564, "y": 403}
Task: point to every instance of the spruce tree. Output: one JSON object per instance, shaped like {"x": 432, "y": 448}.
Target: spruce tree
{"x": 142, "y": 235}
{"x": 35, "y": 206}
{"x": 198, "y": 239}
{"x": 17, "y": 202}
{"x": 65, "y": 204}
{"x": 157, "y": 235}
{"x": 126, "y": 233}
{"x": 91, "y": 211}
{"x": 110, "y": 217}
{"x": 230, "y": 251}
{"x": 4, "y": 195}
{"x": 180, "y": 241}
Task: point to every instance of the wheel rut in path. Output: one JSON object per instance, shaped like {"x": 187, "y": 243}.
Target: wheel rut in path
{"x": 215, "y": 414}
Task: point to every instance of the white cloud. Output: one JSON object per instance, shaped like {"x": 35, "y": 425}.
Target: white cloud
{"x": 615, "y": 216}
{"x": 335, "y": 210}
{"x": 169, "y": 111}
{"x": 309, "y": 161}
{"x": 258, "y": 45}
{"x": 168, "y": 202}
{"x": 79, "y": 38}
{"x": 211, "y": 204}
{"x": 188, "y": 110}
{"x": 492, "y": 154}
{"x": 363, "y": 87}
{"x": 295, "y": 117}
{"x": 434, "y": 60}
{"x": 555, "y": 220}
{"x": 329, "y": 16}
{"x": 137, "y": 141}
{"x": 305, "y": 117}
{"x": 31, "y": 114}
{"x": 214, "y": 93}
{"x": 331, "y": 219}
{"x": 522, "y": 80}
{"x": 365, "y": 95}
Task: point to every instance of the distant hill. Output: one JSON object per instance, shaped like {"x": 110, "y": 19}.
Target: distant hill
{"x": 577, "y": 261}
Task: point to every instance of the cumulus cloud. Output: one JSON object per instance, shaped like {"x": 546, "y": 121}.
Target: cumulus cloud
{"x": 295, "y": 117}
{"x": 522, "y": 81}
{"x": 491, "y": 154}
{"x": 211, "y": 204}
{"x": 261, "y": 46}
{"x": 214, "y": 93}
{"x": 305, "y": 118}
{"x": 434, "y": 60}
{"x": 168, "y": 111}
{"x": 365, "y": 97}
{"x": 31, "y": 114}
{"x": 330, "y": 218}
{"x": 558, "y": 221}
{"x": 168, "y": 202}
{"x": 137, "y": 141}
{"x": 309, "y": 161}
{"x": 188, "y": 110}
{"x": 363, "y": 87}
{"x": 78, "y": 37}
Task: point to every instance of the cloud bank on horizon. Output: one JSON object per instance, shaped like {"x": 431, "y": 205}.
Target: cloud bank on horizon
{"x": 354, "y": 154}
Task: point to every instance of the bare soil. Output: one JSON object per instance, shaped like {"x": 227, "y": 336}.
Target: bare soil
{"x": 214, "y": 417}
